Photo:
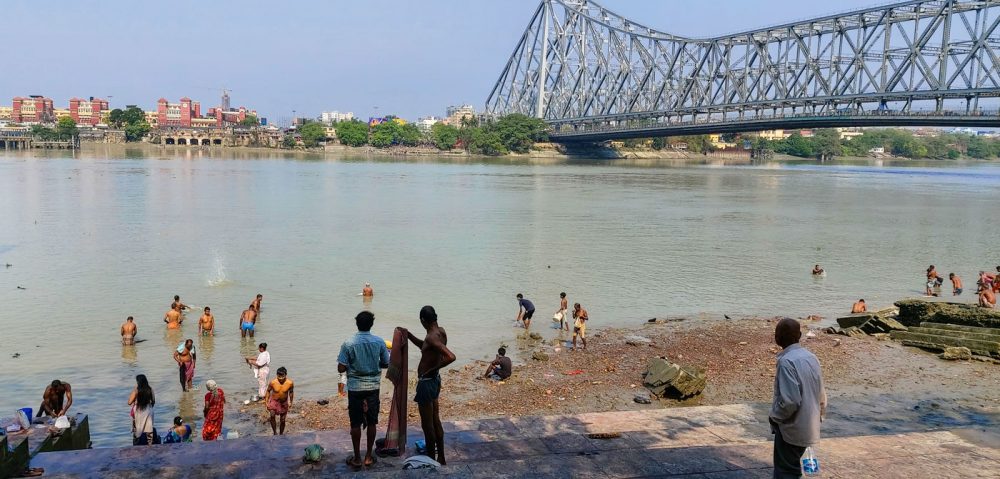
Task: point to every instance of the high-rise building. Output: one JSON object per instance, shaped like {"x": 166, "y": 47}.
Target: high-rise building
{"x": 225, "y": 100}
{"x": 455, "y": 114}
{"x": 33, "y": 109}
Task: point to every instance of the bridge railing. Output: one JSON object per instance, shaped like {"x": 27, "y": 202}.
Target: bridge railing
{"x": 582, "y": 127}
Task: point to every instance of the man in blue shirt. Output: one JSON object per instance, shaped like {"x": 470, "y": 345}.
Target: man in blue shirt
{"x": 363, "y": 357}
{"x": 525, "y": 310}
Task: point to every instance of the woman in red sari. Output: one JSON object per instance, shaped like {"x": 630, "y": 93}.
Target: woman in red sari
{"x": 215, "y": 403}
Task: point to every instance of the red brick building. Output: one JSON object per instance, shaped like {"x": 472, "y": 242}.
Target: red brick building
{"x": 87, "y": 112}
{"x": 177, "y": 114}
{"x": 33, "y": 109}
{"x": 225, "y": 117}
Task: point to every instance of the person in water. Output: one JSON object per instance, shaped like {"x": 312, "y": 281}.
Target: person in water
{"x": 214, "y": 412}
{"x": 525, "y": 310}
{"x": 859, "y": 307}
{"x": 178, "y": 304}
{"x": 186, "y": 357}
{"x": 279, "y": 397}
{"x": 129, "y": 330}
{"x": 367, "y": 291}
{"x": 179, "y": 433}
{"x": 932, "y": 280}
{"x": 142, "y": 401}
{"x": 173, "y": 317}
{"x": 817, "y": 270}
{"x": 248, "y": 321}
{"x": 563, "y": 310}
{"x": 206, "y": 324}
{"x": 434, "y": 355}
{"x": 956, "y": 284}
{"x": 580, "y": 318}
{"x": 256, "y": 302}
{"x": 56, "y": 399}
{"x": 987, "y": 298}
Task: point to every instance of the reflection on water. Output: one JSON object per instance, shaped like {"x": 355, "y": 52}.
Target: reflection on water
{"x": 628, "y": 239}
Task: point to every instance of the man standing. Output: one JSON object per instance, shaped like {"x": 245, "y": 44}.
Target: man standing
{"x": 434, "y": 355}
{"x": 53, "y": 397}
{"x": 278, "y": 398}
{"x": 956, "y": 284}
{"x": 859, "y": 307}
{"x": 525, "y": 310}
{"x": 185, "y": 357}
{"x": 799, "y": 401}
{"x": 206, "y": 324}
{"x": 363, "y": 357}
{"x": 500, "y": 368}
{"x": 256, "y": 302}
{"x": 128, "y": 330}
{"x": 173, "y": 317}
{"x": 580, "y": 319}
{"x": 367, "y": 291}
{"x": 177, "y": 304}
{"x": 261, "y": 366}
{"x": 248, "y": 320}
{"x": 563, "y": 310}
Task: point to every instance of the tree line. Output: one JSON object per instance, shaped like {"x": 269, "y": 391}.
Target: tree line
{"x": 508, "y": 134}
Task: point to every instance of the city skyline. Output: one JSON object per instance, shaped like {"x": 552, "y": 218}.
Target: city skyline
{"x": 340, "y": 56}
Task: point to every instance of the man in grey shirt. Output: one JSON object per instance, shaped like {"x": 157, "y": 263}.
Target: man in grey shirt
{"x": 799, "y": 401}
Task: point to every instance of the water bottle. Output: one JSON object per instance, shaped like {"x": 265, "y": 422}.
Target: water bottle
{"x": 810, "y": 464}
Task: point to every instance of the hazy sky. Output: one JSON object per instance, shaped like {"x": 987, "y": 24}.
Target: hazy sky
{"x": 410, "y": 58}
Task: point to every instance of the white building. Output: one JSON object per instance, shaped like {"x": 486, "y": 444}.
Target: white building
{"x": 335, "y": 116}
{"x": 425, "y": 124}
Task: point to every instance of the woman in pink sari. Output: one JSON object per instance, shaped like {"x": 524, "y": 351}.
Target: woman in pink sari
{"x": 215, "y": 404}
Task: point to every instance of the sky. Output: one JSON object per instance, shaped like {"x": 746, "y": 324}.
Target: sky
{"x": 372, "y": 57}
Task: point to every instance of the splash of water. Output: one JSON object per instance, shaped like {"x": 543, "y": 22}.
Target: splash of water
{"x": 219, "y": 279}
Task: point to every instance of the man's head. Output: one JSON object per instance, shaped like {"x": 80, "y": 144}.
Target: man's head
{"x": 262, "y": 347}
{"x": 428, "y": 316}
{"x": 930, "y": 268}
{"x": 951, "y": 275}
{"x": 787, "y": 332}
{"x": 251, "y": 307}
{"x": 368, "y": 285}
{"x": 502, "y": 351}
{"x": 260, "y": 296}
{"x": 177, "y": 297}
{"x": 562, "y": 295}
{"x": 56, "y": 384}
{"x": 576, "y": 306}
{"x": 520, "y": 296}
{"x": 189, "y": 344}
{"x": 365, "y": 320}
{"x": 129, "y": 319}
{"x": 862, "y": 301}
{"x": 208, "y": 310}
{"x": 282, "y": 372}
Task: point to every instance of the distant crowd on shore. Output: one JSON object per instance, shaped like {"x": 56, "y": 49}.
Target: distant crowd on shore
{"x": 987, "y": 287}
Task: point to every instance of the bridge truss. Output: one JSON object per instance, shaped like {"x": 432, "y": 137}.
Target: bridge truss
{"x": 593, "y": 74}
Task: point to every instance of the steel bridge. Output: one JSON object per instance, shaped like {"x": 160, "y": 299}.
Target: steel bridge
{"x": 594, "y": 75}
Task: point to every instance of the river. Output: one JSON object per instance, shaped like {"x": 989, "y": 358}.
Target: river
{"x": 102, "y": 234}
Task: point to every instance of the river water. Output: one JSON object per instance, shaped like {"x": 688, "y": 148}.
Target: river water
{"x": 107, "y": 233}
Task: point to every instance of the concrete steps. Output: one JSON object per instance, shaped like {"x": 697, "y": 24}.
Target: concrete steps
{"x": 937, "y": 337}
{"x": 731, "y": 441}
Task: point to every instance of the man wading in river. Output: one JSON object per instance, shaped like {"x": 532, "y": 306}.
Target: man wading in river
{"x": 434, "y": 355}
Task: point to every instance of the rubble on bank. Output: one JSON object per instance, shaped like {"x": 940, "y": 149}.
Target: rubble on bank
{"x": 912, "y": 312}
{"x": 668, "y": 380}
{"x": 941, "y": 337}
{"x": 871, "y": 323}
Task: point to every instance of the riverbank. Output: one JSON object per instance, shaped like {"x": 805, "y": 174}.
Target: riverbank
{"x": 864, "y": 377}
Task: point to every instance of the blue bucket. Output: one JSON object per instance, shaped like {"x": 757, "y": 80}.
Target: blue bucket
{"x": 27, "y": 415}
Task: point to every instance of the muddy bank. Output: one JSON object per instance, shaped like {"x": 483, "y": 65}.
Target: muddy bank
{"x": 875, "y": 384}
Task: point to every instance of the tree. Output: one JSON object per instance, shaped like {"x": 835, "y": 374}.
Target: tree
{"x": 444, "y": 136}
{"x": 519, "y": 132}
{"x": 312, "y": 133}
{"x": 250, "y": 121}
{"x": 795, "y": 145}
{"x": 487, "y": 143}
{"x": 133, "y": 115}
{"x": 409, "y": 135}
{"x": 288, "y": 141}
{"x": 43, "y": 133}
{"x": 352, "y": 133}
{"x": 66, "y": 128}
{"x": 826, "y": 144}
{"x": 115, "y": 118}
{"x": 384, "y": 134}
{"x": 136, "y": 131}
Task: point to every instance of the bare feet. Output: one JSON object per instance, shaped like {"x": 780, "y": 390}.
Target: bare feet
{"x": 369, "y": 461}
{"x": 354, "y": 462}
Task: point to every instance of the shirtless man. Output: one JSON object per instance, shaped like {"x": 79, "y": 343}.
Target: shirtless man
{"x": 932, "y": 278}
{"x": 256, "y": 302}
{"x": 817, "y": 270}
{"x": 367, "y": 291}
{"x": 178, "y": 304}
{"x": 53, "y": 398}
{"x": 956, "y": 284}
{"x": 580, "y": 318}
{"x": 434, "y": 355}
{"x": 987, "y": 298}
{"x": 563, "y": 310}
{"x": 278, "y": 398}
{"x": 859, "y": 307}
{"x": 247, "y": 321}
{"x": 173, "y": 317}
{"x": 186, "y": 357}
{"x": 129, "y": 329}
{"x": 206, "y": 324}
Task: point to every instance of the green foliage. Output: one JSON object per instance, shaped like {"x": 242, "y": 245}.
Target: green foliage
{"x": 136, "y": 131}
{"x": 826, "y": 144}
{"x": 352, "y": 133}
{"x": 512, "y": 133}
{"x": 115, "y": 118}
{"x": 312, "y": 134}
{"x": 66, "y": 128}
{"x": 487, "y": 143}
{"x": 250, "y": 121}
{"x": 133, "y": 115}
{"x": 795, "y": 145}
{"x": 391, "y": 132}
{"x": 288, "y": 141}
{"x": 43, "y": 133}
{"x": 444, "y": 136}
